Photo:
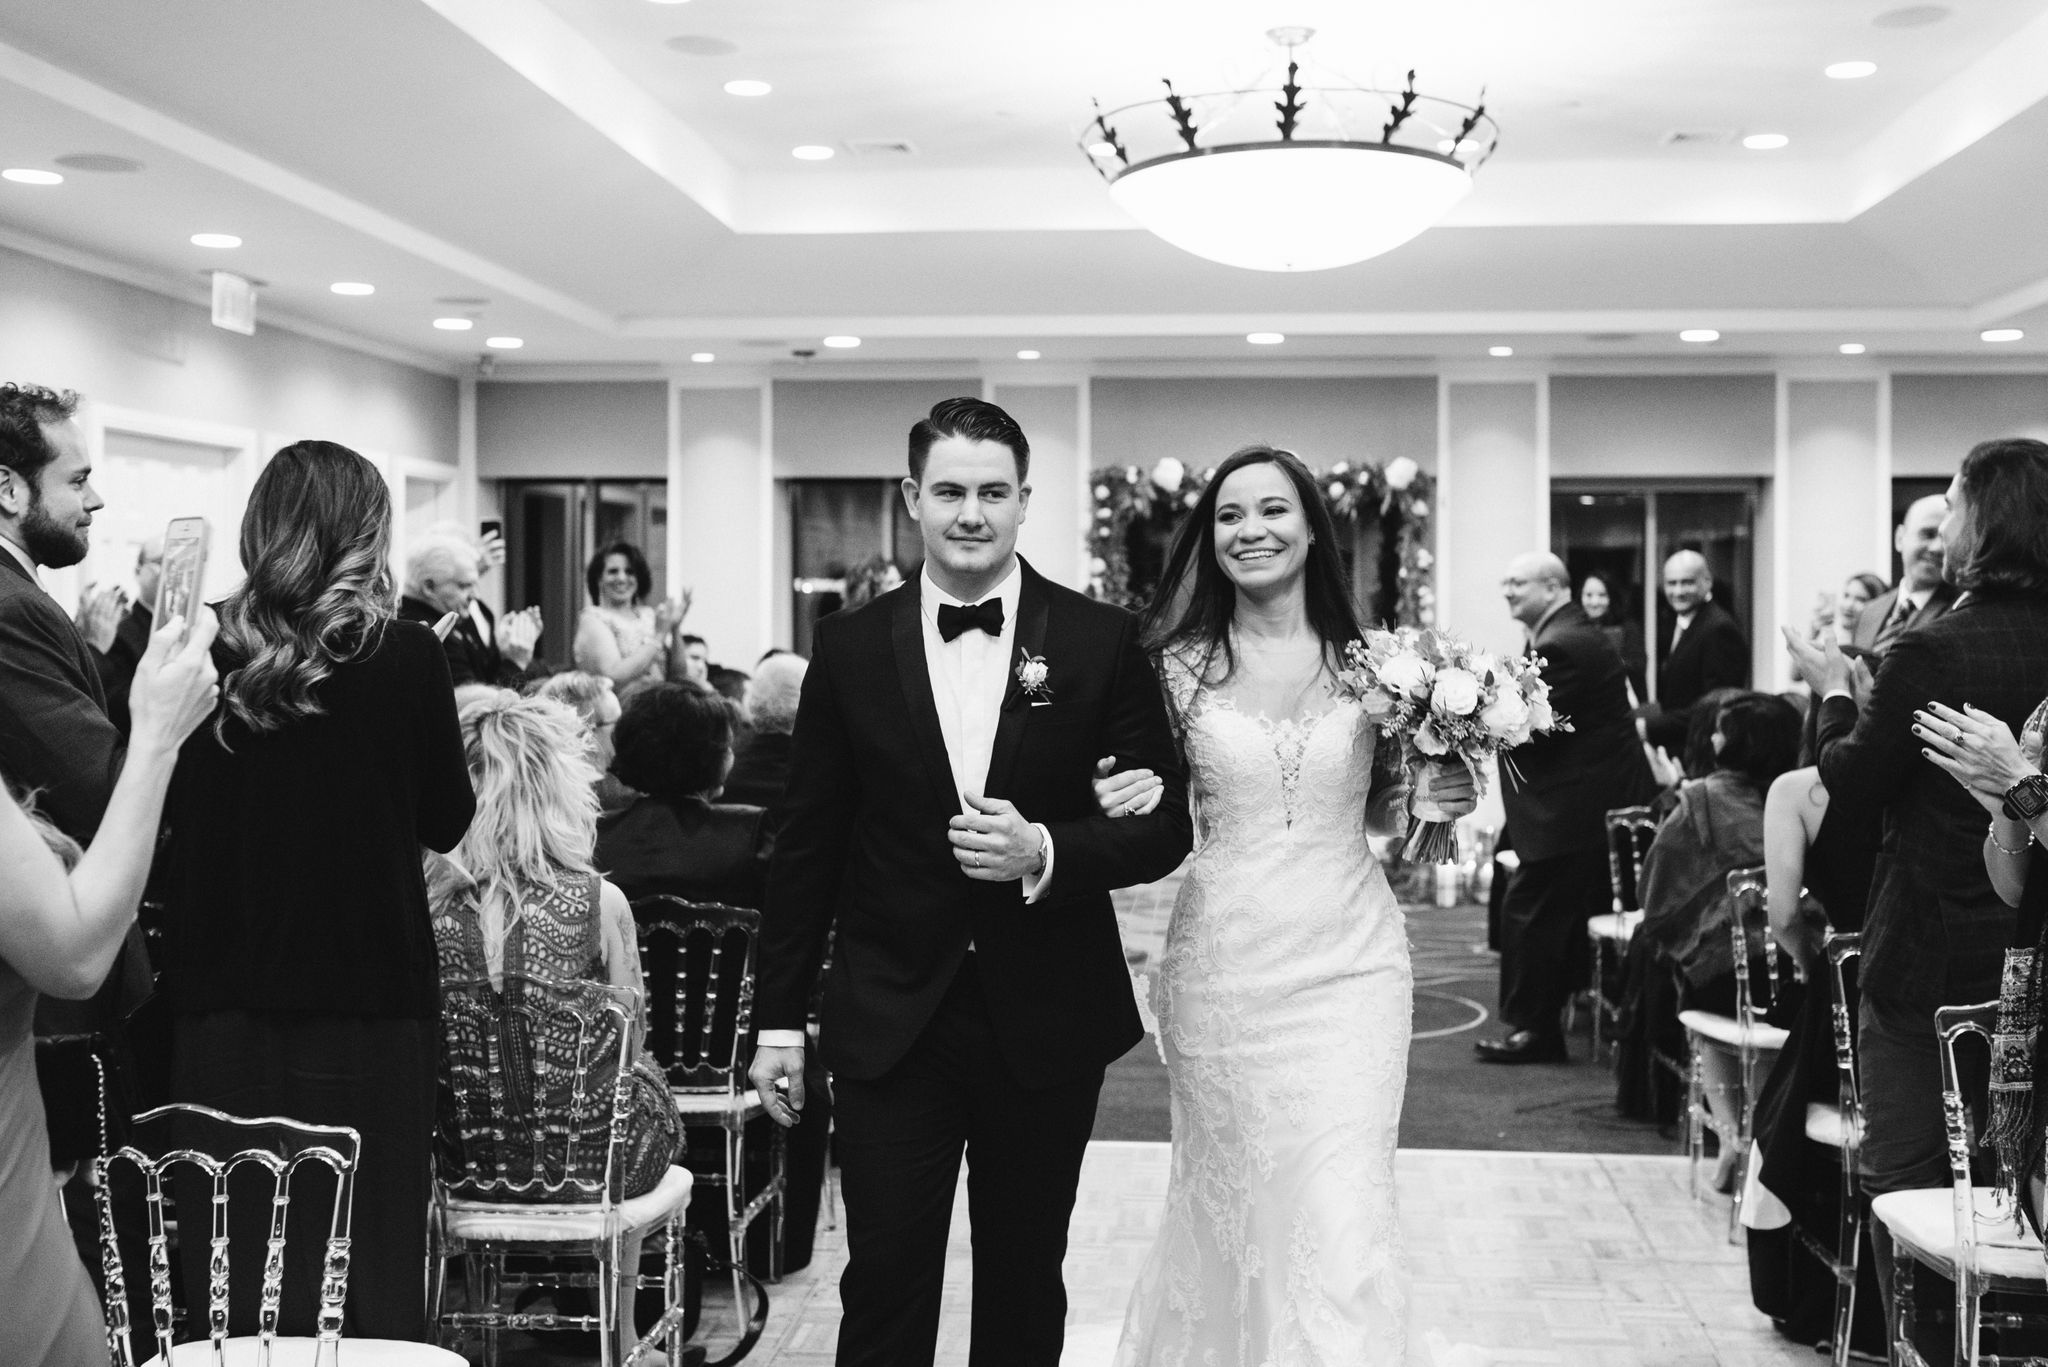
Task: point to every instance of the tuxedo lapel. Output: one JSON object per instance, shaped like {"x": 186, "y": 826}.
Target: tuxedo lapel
{"x": 1028, "y": 640}
{"x": 906, "y": 627}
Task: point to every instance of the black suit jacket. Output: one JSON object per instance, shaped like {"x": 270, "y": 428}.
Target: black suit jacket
{"x": 1935, "y": 932}
{"x": 863, "y": 839}
{"x": 55, "y": 738}
{"x": 1879, "y": 610}
{"x": 471, "y": 658}
{"x": 1713, "y": 653}
{"x": 696, "y": 850}
{"x": 117, "y": 663}
{"x": 1557, "y": 788}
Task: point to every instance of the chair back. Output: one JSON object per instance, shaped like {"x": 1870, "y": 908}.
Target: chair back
{"x": 1749, "y": 922}
{"x": 698, "y": 961}
{"x": 1629, "y": 833}
{"x": 534, "y": 1104}
{"x": 1840, "y": 947}
{"x": 1951, "y": 1023}
{"x": 216, "y": 1145}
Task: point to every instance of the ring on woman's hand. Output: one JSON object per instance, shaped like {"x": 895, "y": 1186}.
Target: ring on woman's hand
{"x": 977, "y": 859}
{"x": 1131, "y": 807}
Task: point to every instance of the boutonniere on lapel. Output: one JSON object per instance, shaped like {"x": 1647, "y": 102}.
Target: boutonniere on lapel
{"x": 1031, "y": 675}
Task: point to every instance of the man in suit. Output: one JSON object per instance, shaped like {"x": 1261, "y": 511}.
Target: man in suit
{"x": 1935, "y": 932}
{"x": 1705, "y": 650}
{"x": 940, "y": 807}
{"x": 1557, "y": 789}
{"x": 118, "y": 658}
{"x": 1922, "y": 594}
{"x": 440, "y": 578}
{"x": 760, "y": 772}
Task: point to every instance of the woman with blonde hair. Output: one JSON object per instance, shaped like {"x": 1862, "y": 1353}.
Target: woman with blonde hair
{"x": 301, "y": 969}
{"x": 520, "y": 894}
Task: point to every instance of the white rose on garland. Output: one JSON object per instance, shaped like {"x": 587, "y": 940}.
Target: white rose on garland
{"x": 1400, "y": 473}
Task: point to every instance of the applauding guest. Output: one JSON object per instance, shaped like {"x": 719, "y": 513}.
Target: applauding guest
{"x": 1923, "y": 594}
{"x": 302, "y": 963}
{"x": 59, "y": 935}
{"x": 619, "y": 635}
{"x": 675, "y": 747}
{"x": 440, "y": 578}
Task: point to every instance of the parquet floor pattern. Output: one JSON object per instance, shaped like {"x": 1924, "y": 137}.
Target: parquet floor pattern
{"x": 1575, "y": 1259}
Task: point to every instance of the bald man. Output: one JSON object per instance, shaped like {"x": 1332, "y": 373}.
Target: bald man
{"x": 1922, "y": 594}
{"x": 1700, "y": 649}
{"x": 1557, "y": 790}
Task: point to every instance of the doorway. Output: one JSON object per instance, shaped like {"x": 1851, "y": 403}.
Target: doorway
{"x": 553, "y": 527}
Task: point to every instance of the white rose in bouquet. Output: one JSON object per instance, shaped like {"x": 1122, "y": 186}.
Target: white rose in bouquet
{"x": 1406, "y": 673}
{"x": 1507, "y": 716}
{"x": 1456, "y": 692}
{"x": 1427, "y": 741}
{"x": 1541, "y": 717}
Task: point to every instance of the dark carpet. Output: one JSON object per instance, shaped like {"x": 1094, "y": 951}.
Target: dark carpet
{"x": 1454, "y": 1101}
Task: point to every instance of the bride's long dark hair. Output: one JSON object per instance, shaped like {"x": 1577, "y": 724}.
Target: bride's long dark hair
{"x": 1191, "y": 612}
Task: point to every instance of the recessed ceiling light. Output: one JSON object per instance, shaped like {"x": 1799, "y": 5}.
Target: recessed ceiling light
{"x": 811, "y": 151}
{"x": 454, "y": 324}
{"x": 1765, "y": 142}
{"x": 505, "y": 343}
{"x": 1500, "y": 351}
{"x": 2000, "y": 335}
{"x": 1027, "y": 355}
{"x": 354, "y": 287}
{"x": 23, "y": 175}
{"x": 1849, "y": 71}
{"x": 104, "y": 163}
{"x": 748, "y": 90}
{"x": 1101, "y": 149}
{"x": 1265, "y": 338}
{"x": 1852, "y": 348}
{"x": 1699, "y": 335}
{"x": 842, "y": 342}
{"x": 703, "y": 357}
{"x": 218, "y": 241}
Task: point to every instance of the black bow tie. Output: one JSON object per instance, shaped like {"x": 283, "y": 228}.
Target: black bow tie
{"x": 986, "y": 615}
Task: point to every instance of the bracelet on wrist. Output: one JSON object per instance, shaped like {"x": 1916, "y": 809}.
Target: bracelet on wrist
{"x": 1991, "y": 833}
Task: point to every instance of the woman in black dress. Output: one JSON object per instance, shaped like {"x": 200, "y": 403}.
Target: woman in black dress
{"x": 301, "y": 970}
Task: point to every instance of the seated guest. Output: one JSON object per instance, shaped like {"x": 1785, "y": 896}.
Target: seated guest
{"x": 520, "y": 895}
{"x": 440, "y": 578}
{"x": 620, "y": 635}
{"x": 301, "y": 970}
{"x": 675, "y": 748}
{"x": 692, "y": 663}
{"x": 761, "y": 770}
{"x": 596, "y": 704}
{"x": 63, "y": 919}
{"x": 728, "y": 683}
{"x": 1716, "y": 826}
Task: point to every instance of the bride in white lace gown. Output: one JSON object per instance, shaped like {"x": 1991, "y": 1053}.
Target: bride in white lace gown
{"x": 1284, "y": 995}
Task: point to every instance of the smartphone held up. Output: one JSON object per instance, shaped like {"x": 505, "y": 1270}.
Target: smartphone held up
{"x": 186, "y": 542}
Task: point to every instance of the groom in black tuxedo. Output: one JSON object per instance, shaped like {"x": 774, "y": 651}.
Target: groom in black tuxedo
{"x": 941, "y": 810}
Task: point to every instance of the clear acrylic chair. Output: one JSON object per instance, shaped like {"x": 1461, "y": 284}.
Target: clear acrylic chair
{"x": 216, "y": 1146}
{"x": 698, "y": 958}
{"x": 1754, "y": 1043}
{"x": 1840, "y": 1127}
{"x": 1629, "y": 832}
{"x": 529, "y": 1162}
{"x": 1975, "y": 1236}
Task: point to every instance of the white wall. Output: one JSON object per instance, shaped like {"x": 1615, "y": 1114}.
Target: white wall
{"x": 577, "y": 430}
{"x": 1199, "y": 421}
{"x": 1054, "y": 538}
{"x": 1661, "y": 426}
{"x": 854, "y": 429}
{"x": 721, "y": 519}
{"x": 1492, "y": 504}
{"x": 1936, "y": 419}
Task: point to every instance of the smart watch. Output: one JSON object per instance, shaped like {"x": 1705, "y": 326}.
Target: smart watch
{"x": 2028, "y": 798}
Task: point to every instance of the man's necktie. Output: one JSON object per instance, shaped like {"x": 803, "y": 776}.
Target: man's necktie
{"x": 1900, "y": 617}
{"x": 986, "y": 615}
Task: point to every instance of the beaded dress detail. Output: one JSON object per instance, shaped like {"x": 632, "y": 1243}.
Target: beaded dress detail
{"x": 1284, "y": 1000}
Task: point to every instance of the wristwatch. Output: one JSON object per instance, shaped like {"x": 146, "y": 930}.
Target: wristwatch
{"x": 2028, "y": 798}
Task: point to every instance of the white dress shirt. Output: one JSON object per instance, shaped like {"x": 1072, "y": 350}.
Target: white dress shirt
{"x": 27, "y": 562}
{"x": 970, "y": 675}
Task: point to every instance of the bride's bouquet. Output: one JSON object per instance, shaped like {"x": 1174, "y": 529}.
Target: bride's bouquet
{"x": 1443, "y": 701}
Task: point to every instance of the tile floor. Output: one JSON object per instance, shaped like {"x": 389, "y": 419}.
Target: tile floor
{"x": 1577, "y": 1259}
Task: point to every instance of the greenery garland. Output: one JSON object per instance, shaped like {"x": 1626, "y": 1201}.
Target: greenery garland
{"x": 1398, "y": 491}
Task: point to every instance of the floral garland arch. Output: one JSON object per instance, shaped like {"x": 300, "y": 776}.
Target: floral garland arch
{"x": 1398, "y": 495}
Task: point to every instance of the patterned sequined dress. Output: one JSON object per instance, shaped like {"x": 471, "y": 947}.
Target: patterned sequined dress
{"x": 1284, "y": 1000}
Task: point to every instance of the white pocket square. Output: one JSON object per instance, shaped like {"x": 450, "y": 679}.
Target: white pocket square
{"x": 1041, "y": 702}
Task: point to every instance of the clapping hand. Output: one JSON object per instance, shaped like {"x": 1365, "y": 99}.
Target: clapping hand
{"x": 1129, "y": 792}
{"x": 993, "y": 842}
{"x": 99, "y": 615}
{"x": 518, "y": 633}
{"x": 1820, "y": 663}
{"x": 670, "y": 614}
{"x": 1668, "y": 772}
{"x": 1978, "y": 751}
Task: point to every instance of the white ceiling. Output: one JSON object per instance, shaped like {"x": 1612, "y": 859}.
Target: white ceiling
{"x": 564, "y": 163}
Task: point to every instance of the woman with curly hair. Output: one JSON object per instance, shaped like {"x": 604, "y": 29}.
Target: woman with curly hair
{"x": 301, "y": 970}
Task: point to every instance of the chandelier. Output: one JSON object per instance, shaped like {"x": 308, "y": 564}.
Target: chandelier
{"x": 1342, "y": 174}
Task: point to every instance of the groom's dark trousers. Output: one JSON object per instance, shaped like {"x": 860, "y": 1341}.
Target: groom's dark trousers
{"x": 957, "y": 1018}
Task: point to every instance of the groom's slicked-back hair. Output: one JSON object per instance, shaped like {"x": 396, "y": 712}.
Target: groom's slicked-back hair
{"x": 973, "y": 419}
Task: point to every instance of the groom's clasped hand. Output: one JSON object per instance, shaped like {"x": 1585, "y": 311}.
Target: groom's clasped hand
{"x": 993, "y": 841}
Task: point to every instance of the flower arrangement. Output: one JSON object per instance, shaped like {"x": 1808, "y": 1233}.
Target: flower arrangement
{"x": 1446, "y": 702}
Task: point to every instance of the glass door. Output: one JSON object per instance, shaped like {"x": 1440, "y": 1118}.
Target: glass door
{"x": 1625, "y": 533}
{"x": 835, "y": 524}
{"x": 553, "y": 527}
